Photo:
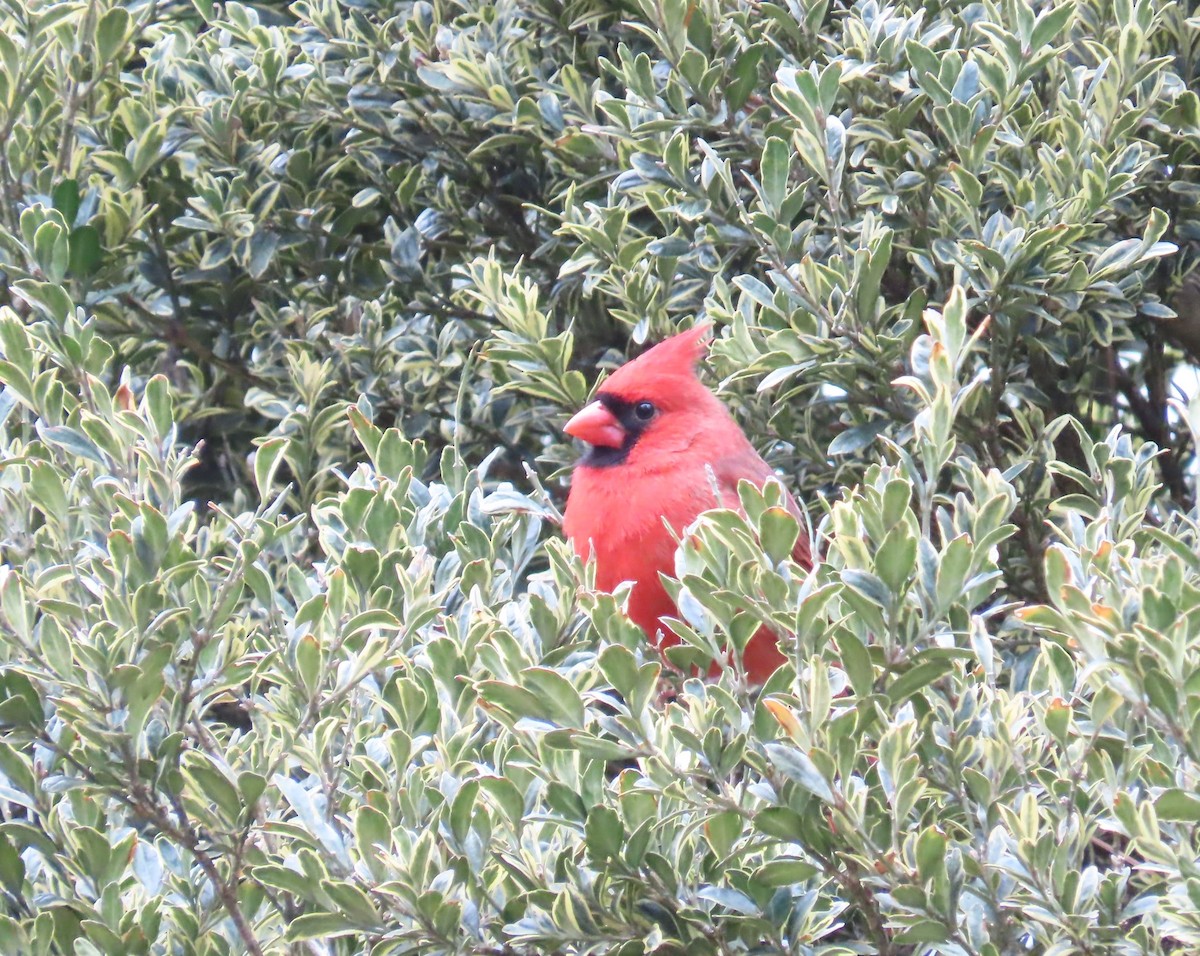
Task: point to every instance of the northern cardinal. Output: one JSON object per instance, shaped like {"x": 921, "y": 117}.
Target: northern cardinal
{"x": 652, "y": 430}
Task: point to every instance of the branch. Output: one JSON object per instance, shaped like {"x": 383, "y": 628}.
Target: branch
{"x": 144, "y": 803}
{"x": 1153, "y": 421}
{"x": 1184, "y": 329}
{"x": 226, "y": 890}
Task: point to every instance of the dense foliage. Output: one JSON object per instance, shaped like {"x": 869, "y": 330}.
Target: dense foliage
{"x": 295, "y": 302}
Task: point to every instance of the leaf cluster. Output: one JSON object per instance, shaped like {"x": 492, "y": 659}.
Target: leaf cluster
{"x": 294, "y": 303}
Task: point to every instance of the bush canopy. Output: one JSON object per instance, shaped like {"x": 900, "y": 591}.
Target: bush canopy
{"x": 295, "y": 301}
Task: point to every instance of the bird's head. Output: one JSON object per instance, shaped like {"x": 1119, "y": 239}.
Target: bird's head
{"x": 657, "y": 399}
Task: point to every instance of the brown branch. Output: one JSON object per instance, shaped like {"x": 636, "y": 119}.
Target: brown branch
{"x": 142, "y": 802}
{"x": 226, "y": 889}
{"x": 177, "y": 335}
{"x": 1152, "y": 418}
{"x": 1184, "y": 329}
{"x": 1046, "y": 376}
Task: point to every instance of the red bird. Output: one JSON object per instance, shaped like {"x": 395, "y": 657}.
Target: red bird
{"x": 653, "y": 429}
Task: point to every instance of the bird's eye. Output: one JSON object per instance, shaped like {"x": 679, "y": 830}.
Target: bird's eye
{"x": 644, "y": 411}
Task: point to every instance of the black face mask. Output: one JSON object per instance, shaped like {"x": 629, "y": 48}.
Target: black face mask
{"x": 634, "y": 417}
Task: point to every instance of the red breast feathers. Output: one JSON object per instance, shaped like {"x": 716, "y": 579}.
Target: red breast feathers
{"x": 653, "y": 432}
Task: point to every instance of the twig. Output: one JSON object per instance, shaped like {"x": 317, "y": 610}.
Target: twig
{"x": 1152, "y": 418}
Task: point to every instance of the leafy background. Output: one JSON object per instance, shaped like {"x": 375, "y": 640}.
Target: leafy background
{"x": 295, "y": 301}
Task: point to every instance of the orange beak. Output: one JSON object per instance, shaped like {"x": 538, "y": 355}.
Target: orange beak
{"x": 596, "y": 425}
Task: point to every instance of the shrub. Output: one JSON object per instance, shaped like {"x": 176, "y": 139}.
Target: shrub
{"x": 295, "y": 303}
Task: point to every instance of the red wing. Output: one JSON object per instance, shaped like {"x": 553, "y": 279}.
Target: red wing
{"x": 749, "y": 464}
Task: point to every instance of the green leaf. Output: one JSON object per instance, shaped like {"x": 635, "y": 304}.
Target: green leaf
{"x": 560, "y": 699}
{"x": 47, "y": 297}
{"x": 897, "y": 498}
{"x": 925, "y": 931}
{"x": 620, "y": 668}
{"x": 20, "y": 703}
{"x": 287, "y": 880}
{"x": 855, "y": 439}
{"x": 775, "y": 170}
{"x": 65, "y": 198}
{"x": 897, "y": 558}
{"x": 159, "y": 404}
{"x": 781, "y": 823}
{"x": 744, "y": 76}
{"x": 916, "y": 679}
{"x": 798, "y": 766}
{"x": 785, "y": 872}
{"x": 17, "y": 769}
{"x": 51, "y": 249}
{"x": 267, "y": 459}
{"x": 866, "y": 297}
{"x": 672, "y": 246}
{"x": 73, "y": 442}
{"x": 730, "y": 898}
{"x": 779, "y": 530}
{"x": 85, "y": 252}
{"x": 723, "y": 830}
{"x": 309, "y": 662}
{"x": 353, "y": 902}
{"x": 251, "y": 786}
{"x": 1058, "y": 719}
{"x": 868, "y": 585}
{"x": 1050, "y": 24}
{"x": 212, "y": 783}
{"x": 1177, "y": 805}
{"x": 931, "y": 853}
{"x": 462, "y": 809}
{"x": 835, "y": 152}
{"x": 319, "y": 926}
{"x": 604, "y": 833}
{"x": 589, "y": 745}
{"x": 377, "y": 619}
{"x": 516, "y": 701}
{"x": 111, "y": 33}
{"x": 953, "y": 567}
{"x": 857, "y": 663}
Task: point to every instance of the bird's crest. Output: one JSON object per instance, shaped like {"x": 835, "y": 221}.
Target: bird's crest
{"x": 672, "y": 359}
{"x": 683, "y": 350}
